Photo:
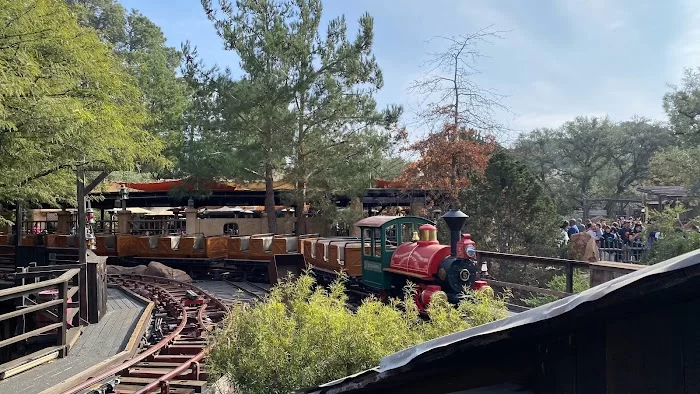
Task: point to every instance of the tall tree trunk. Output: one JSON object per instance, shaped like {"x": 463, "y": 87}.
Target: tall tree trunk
{"x": 270, "y": 199}
{"x": 456, "y": 90}
{"x": 302, "y": 219}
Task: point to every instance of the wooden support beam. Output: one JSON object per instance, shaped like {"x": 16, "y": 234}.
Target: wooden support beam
{"x": 29, "y": 361}
{"x": 98, "y": 179}
{"x": 82, "y": 248}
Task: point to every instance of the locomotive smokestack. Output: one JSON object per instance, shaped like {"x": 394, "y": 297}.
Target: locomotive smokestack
{"x": 455, "y": 220}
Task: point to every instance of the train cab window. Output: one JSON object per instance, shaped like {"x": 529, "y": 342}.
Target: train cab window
{"x": 407, "y": 230}
{"x": 369, "y": 241}
{"x": 231, "y": 228}
{"x": 393, "y": 239}
{"x": 376, "y": 243}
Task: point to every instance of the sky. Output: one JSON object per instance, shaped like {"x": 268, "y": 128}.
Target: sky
{"x": 559, "y": 58}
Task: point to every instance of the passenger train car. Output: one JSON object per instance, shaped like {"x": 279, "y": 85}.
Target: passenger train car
{"x": 390, "y": 251}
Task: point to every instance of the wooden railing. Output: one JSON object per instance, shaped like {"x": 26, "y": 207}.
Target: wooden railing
{"x": 61, "y": 312}
{"x": 39, "y": 226}
{"x": 514, "y": 265}
{"x": 157, "y": 226}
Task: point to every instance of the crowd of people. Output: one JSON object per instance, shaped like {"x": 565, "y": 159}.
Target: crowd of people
{"x": 621, "y": 240}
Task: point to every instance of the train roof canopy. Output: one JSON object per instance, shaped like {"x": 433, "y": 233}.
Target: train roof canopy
{"x": 385, "y": 221}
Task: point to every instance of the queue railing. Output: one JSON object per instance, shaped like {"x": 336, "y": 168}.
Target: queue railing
{"x": 60, "y": 308}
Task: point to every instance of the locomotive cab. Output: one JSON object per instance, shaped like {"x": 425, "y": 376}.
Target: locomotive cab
{"x": 382, "y": 238}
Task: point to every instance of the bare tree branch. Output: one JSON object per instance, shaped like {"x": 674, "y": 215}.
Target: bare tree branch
{"x": 448, "y": 88}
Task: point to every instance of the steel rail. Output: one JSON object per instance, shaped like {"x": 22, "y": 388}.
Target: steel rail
{"x": 141, "y": 356}
{"x": 162, "y": 382}
{"x": 157, "y": 279}
{"x": 155, "y": 291}
{"x": 192, "y": 363}
{"x": 248, "y": 291}
{"x": 255, "y": 285}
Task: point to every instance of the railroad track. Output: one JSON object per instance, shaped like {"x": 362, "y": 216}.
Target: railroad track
{"x": 172, "y": 360}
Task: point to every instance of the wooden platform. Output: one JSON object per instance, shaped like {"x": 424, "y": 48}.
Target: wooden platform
{"x": 97, "y": 343}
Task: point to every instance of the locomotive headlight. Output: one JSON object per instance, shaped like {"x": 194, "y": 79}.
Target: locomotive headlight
{"x": 471, "y": 251}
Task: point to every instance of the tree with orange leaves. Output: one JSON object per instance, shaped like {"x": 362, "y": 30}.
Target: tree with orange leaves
{"x": 449, "y": 160}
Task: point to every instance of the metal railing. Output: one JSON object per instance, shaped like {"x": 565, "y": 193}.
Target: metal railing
{"x": 65, "y": 282}
{"x": 534, "y": 272}
{"x": 624, "y": 253}
{"x": 106, "y": 227}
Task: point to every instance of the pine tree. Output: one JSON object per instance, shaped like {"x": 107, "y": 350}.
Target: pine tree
{"x": 307, "y": 104}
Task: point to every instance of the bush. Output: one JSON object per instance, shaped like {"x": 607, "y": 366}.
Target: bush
{"x": 303, "y": 335}
{"x": 582, "y": 281}
{"x": 674, "y": 240}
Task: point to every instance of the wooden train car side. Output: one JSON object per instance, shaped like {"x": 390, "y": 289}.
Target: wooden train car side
{"x": 331, "y": 254}
{"x": 335, "y": 254}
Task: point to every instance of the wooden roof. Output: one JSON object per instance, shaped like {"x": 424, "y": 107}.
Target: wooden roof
{"x": 664, "y": 191}
{"x": 375, "y": 221}
{"x": 164, "y": 185}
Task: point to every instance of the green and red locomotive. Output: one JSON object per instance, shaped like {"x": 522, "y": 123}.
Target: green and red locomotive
{"x": 393, "y": 250}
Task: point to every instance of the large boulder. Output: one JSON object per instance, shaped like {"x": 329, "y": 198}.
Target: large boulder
{"x": 163, "y": 271}
{"x": 118, "y": 270}
{"x": 582, "y": 247}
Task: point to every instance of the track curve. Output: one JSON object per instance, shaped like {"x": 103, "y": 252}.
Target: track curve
{"x": 183, "y": 316}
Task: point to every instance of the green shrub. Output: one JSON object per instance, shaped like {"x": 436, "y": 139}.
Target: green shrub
{"x": 303, "y": 335}
{"x": 582, "y": 280}
{"x": 674, "y": 240}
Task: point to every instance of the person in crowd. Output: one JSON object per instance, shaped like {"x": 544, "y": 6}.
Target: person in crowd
{"x": 608, "y": 238}
{"x": 564, "y": 233}
{"x": 591, "y": 230}
{"x": 625, "y": 232}
{"x": 636, "y": 237}
{"x": 579, "y": 225}
{"x": 599, "y": 229}
{"x": 573, "y": 229}
{"x": 608, "y": 241}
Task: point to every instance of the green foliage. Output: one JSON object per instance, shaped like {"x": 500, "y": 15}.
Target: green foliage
{"x": 510, "y": 210}
{"x": 582, "y": 280}
{"x": 303, "y": 335}
{"x": 682, "y": 106}
{"x": 677, "y": 166}
{"x": 592, "y": 157}
{"x": 140, "y": 44}
{"x": 304, "y": 108}
{"x": 675, "y": 240}
{"x": 65, "y": 100}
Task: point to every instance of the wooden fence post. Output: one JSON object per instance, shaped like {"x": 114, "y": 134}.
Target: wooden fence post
{"x": 569, "y": 278}
{"x": 83, "y": 291}
{"x": 97, "y": 287}
{"x": 61, "y": 313}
